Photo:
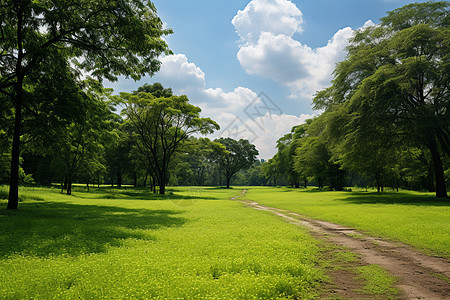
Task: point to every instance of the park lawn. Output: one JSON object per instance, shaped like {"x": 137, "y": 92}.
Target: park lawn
{"x": 417, "y": 219}
{"x": 130, "y": 244}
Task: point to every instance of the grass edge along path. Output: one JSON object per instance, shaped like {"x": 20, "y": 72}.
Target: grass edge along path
{"x": 417, "y": 219}
{"x": 416, "y": 271}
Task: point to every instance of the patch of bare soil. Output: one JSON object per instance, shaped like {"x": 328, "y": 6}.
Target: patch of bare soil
{"x": 419, "y": 276}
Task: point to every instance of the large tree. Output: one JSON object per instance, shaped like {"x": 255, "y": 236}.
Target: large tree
{"x": 239, "y": 155}
{"x": 162, "y": 124}
{"x": 396, "y": 78}
{"x": 105, "y": 38}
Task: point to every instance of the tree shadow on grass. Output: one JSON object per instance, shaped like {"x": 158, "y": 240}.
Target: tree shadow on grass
{"x": 394, "y": 198}
{"x": 137, "y": 194}
{"x": 54, "y": 229}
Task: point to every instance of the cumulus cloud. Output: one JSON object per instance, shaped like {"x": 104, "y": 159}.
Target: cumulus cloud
{"x": 271, "y": 52}
{"x": 181, "y": 73}
{"x": 186, "y": 78}
{"x": 275, "y": 16}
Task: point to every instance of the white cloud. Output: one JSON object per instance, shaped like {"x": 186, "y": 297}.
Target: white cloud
{"x": 278, "y": 57}
{"x": 275, "y": 16}
{"x": 186, "y": 78}
{"x": 264, "y": 137}
{"x": 271, "y": 52}
{"x": 303, "y": 69}
{"x": 181, "y": 74}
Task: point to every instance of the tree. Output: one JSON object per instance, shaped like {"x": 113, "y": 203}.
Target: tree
{"x": 396, "y": 77}
{"x": 271, "y": 169}
{"x": 314, "y": 155}
{"x": 5, "y": 138}
{"x": 287, "y": 146}
{"x": 162, "y": 124}
{"x": 117, "y": 154}
{"x": 239, "y": 155}
{"x": 155, "y": 89}
{"x": 80, "y": 141}
{"x": 360, "y": 144}
{"x": 106, "y": 38}
{"x": 197, "y": 156}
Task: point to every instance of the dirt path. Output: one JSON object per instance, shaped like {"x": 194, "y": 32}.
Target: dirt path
{"x": 419, "y": 276}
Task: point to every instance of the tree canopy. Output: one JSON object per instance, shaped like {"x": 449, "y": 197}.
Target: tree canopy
{"x": 238, "y": 155}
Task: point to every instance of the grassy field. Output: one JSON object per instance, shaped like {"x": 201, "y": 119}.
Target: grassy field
{"x": 418, "y": 219}
{"x": 130, "y": 244}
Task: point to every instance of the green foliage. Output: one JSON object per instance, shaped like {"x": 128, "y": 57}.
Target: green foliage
{"x": 111, "y": 37}
{"x": 3, "y": 193}
{"x": 238, "y": 155}
{"x": 312, "y": 155}
{"x": 195, "y": 162}
{"x": 155, "y": 89}
{"x": 434, "y": 13}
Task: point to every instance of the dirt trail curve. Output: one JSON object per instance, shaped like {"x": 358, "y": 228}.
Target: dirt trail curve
{"x": 418, "y": 274}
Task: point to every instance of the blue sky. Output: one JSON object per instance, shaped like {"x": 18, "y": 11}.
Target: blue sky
{"x": 253, "y": 66}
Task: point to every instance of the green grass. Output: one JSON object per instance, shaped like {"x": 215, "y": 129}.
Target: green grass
{"x": 131, "y": 244}
{"x": 378, "y": 281}
{"x": 418, "y": 219}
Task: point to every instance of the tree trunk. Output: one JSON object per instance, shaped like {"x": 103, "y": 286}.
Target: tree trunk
{"x": 162, "y": 188}
{"x": 162, "y": 182}
{"x": 119, "y": 180}
{"x": 441, "y": 190}
{"x": 13, "y": 199}
{"x": 64, "y": 187}
{"x": 154, "y": 183}
{"x": 135, "y": 179}
{"x": 145, "y": 178}
{"x": 69, "y": 185}
{"x": 228, "y": 181}
{"x": 377, "y": 178}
